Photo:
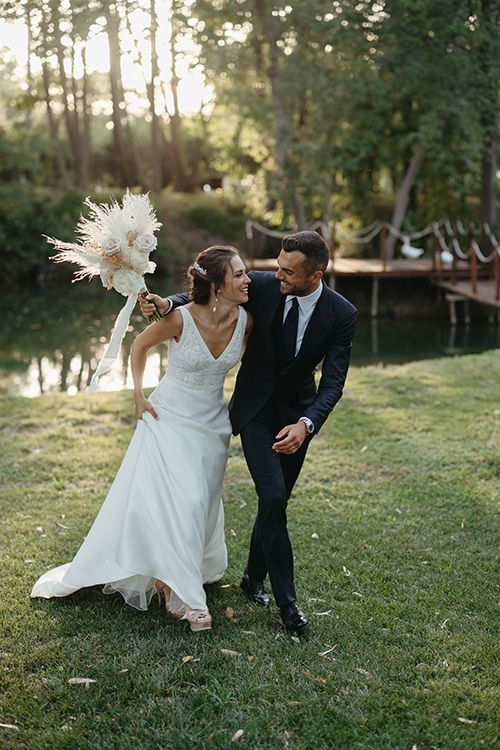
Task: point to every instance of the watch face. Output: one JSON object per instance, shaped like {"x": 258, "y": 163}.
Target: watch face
{"x": 309, "y": 425}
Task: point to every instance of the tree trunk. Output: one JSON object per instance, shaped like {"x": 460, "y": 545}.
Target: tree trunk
{"x": 83, "y": 173}
{"x": 403, "y": 197}
{"x": 86, "y": 142}
{"x": 282, "y": 117}
{"x": 488, "y": 182}
{"x": 60, "y": 167}
{"x": 113, "y": 30}
{"x": 29, "y": 75}
{"x": 69, "y": 115}
{"x": 488, "y": 54}
{"x": 180, "y": 178}
{"x": 156, "y": 146}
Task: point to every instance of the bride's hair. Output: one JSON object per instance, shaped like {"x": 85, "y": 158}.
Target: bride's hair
{"x": 209, "y": 268}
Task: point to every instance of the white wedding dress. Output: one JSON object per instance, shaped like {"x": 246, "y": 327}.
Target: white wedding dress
{"x": 163, "y": 516}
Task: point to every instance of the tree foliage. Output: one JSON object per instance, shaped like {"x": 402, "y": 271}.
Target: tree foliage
{"x": 321, "y": 107}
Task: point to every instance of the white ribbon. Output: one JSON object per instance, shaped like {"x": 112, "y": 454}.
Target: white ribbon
{"x": 115, "y": 343}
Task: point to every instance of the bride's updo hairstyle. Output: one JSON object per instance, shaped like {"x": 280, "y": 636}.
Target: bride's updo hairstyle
{"x": 209, "y": 268}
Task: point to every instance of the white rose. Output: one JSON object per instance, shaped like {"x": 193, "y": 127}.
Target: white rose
{"x": 145, "y": 243}
{"x": 127, "y": 282}
{"x": 111, "y": 246}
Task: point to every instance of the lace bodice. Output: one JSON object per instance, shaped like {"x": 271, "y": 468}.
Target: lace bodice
{"x": 190, "y": 361}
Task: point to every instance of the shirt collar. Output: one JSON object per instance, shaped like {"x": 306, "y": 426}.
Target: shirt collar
{"x": 307, "y": 302}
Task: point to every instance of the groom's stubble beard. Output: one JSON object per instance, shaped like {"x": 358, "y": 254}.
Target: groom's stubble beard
{"x": 299, "y": 290}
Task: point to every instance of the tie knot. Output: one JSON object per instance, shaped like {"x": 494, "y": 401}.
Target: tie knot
{"x": 295, "y": 303}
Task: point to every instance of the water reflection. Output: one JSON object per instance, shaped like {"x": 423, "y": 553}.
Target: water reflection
{"x": 51, "y": 339}
{"x": 398, "y": 341}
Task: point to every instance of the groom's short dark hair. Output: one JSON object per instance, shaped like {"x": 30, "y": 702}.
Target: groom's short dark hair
{"x": 310, "y": 244}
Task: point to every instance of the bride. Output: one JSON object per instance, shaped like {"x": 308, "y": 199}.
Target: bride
{"x": 161, "y": 527}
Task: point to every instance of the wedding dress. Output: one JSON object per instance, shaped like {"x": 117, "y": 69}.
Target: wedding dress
{"x": 163, "y": 516}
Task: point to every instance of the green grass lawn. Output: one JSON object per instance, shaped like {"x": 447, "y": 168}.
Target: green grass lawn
{"x": 393, "y": 526}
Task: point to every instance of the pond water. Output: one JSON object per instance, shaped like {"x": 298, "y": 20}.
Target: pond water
{"x": 52, "y": 338}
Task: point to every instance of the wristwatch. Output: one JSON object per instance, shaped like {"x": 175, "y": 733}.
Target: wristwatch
{"x": 309, "y": 425}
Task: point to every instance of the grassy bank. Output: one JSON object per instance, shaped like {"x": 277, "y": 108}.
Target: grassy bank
{"x": 394, "y": 533}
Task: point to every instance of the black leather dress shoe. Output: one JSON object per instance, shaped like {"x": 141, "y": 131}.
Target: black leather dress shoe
{"x": 254, "y": 590}
{"x": 293, "y": 619}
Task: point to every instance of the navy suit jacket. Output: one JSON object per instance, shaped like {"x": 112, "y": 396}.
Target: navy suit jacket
{"x": 262, "y": 375}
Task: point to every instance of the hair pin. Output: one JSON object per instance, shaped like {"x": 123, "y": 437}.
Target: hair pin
{"x": 199, "y": 268}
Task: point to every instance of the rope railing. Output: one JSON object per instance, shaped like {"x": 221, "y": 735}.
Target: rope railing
{"x": 250, "y": 225}
{"x": 366, "y": 234}
{"x": 447, "y": 249}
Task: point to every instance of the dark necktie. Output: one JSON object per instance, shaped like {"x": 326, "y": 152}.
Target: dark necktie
{"x": 290, "y": 327}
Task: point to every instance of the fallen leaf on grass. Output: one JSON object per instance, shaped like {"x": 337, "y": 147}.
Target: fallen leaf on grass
{"x": 296, "y": 639}
{"x": 122, "y": 671}
{"x": 346, "y": 571}
{"x": 323, "y": 614}
{"x": 328, "y": 651}
{"x": 251, "y": 658}
{"x": 230, "y": 614}
{"x": 229, "y": 652}
{"x": 466, "y": 721}
{"x": 81, "y": 681}
{"x": 10, "y": 726}
{"x": 185, "y": 659}
{"x": 237, "y": 735}
{"x": 314, "y": 536}
{"x": 62, "y": 526}
{"x": 233, "y": 532}
{"x": 295, "y": 703}
{"x": 363, "y": 449}
{"x": 363, "y": 671}
{"x": 249, "y": 632}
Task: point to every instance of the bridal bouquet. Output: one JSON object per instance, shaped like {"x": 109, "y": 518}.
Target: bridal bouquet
{"x": 114, "y": 242}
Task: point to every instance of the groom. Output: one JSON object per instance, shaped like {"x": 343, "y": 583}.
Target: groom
{"x": 276, "y": 408}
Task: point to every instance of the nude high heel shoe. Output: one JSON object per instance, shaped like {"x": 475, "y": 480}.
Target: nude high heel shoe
{"x": 199, "y": 620}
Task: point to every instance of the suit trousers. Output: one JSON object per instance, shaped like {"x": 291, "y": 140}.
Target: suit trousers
{"x": 274, "y": 476}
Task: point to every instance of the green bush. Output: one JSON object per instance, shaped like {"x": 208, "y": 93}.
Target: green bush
{"x": 216, "y": 214}
{"x": 26, "y": 214}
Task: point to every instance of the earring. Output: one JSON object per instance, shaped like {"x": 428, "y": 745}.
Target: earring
{"x": 214, "y": 308}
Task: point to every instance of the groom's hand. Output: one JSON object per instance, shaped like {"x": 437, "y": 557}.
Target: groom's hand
{"x": 290, "y": 438}
{"x": 147, "y": 304}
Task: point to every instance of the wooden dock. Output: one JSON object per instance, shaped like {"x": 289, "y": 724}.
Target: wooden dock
{"x": 358, "y": 267}
{"x": 452, "y": 277}
{"x": 485, "y": 291}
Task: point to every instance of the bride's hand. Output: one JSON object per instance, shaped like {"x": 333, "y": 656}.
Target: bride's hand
{"x": 142, "y": 405}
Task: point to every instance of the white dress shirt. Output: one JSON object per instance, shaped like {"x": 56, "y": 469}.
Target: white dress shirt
{"x": 306, "y": 309}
